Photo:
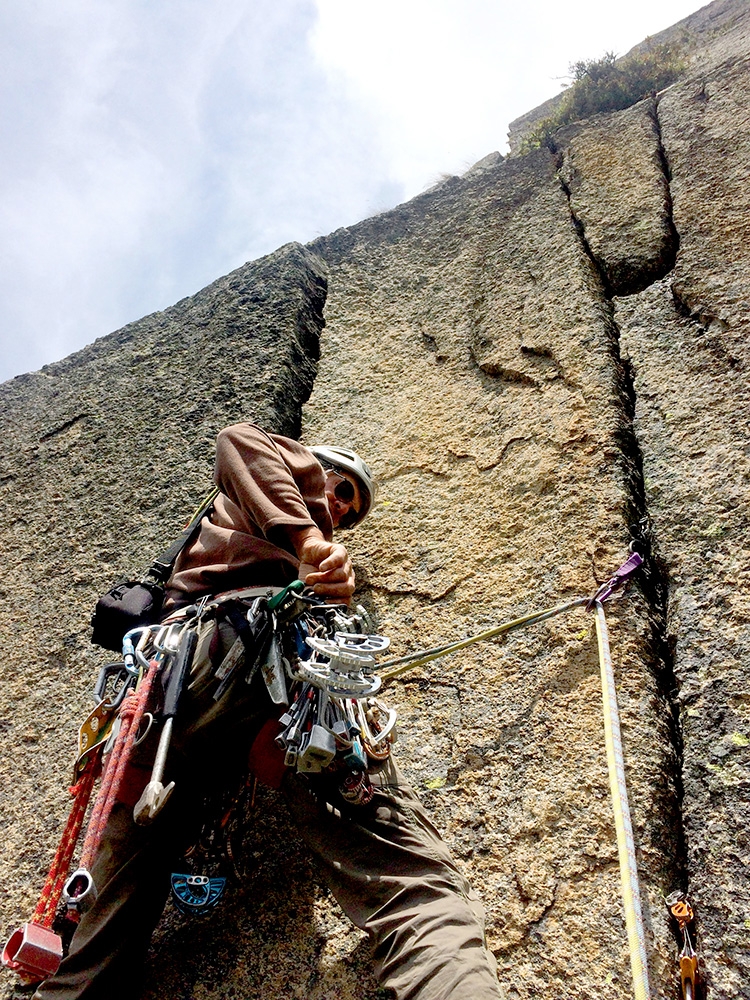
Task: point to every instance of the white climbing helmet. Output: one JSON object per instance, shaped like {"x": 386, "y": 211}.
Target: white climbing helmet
{"x": 348, "y": 461}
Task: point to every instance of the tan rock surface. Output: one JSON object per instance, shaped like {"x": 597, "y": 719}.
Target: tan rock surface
{"x": 687, "y": 339}
{"x": 470, "y": 356}
{"x": 616, "y": 176}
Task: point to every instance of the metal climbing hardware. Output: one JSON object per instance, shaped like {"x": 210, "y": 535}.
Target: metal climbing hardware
{"x": 33, "y": 952}
{"x": 113, "y": 683}
{"x": 105, "y": 743}
{"x": 196, "y": 895}
{"x": 356, "y": 789}
{"x": 93, "y": 732}
{"x": 640, "y": 536}
{"x": 286, "y": 596}
{"x": 333, "y": 723}
{"x": 377, "y": 726}
{"x": 273, "y": 668}
{"x": 344, "y": 665}
{"x": 79, "y": 892}
{"x": 156, "y": 794}
{"x": 682, "y": 912}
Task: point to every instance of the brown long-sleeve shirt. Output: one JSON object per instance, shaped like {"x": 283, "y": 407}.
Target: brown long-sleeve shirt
{"x": 268, "y": 484}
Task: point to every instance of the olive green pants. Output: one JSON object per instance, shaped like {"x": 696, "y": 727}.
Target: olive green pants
{"x": 384, "y": 862}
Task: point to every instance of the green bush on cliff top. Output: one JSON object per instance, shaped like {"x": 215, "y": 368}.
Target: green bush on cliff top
{"x": 607, "y": 84}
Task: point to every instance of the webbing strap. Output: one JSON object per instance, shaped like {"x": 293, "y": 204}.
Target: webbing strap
{"x": 162, "y": 566}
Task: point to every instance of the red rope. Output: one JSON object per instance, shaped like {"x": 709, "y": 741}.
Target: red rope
{"x": 49, "y": 899}
{"x": 131, "y": 713}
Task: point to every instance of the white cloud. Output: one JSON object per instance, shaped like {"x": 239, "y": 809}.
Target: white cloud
{"x": 155, "y": 147}
{"x": 445, "y": 78}
{"x": 151, "y": 147}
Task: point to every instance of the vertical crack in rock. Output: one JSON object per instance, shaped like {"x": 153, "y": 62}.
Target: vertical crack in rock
{"x": 654, "y": 578}
{"x": 616, "y": 175}
{"x": 661, "y": 152}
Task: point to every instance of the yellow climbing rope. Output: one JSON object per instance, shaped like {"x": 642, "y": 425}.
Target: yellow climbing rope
{"x": 613, "y": 741}
{"x": 631, "y": 896}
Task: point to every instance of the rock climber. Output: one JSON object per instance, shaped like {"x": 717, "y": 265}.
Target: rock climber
{"x": 385, "y": 863}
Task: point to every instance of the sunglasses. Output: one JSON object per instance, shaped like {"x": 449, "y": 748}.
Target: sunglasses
{"x": 344, "y": 489}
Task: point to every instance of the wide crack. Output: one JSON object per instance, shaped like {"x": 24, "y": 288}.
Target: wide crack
{"x": 674, "y": 236}
{"x": 626, "y": 276}
{"x": 654, "y": 578}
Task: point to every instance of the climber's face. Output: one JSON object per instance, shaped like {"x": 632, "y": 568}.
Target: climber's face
{"x": 342, "y": 494}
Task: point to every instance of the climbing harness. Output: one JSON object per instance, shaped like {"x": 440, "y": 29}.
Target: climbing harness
{"x": 318, "y": 663}
{"x": 682, "y": 912}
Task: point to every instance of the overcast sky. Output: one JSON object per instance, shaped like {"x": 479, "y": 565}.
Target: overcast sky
{"x": 151, "y": 146}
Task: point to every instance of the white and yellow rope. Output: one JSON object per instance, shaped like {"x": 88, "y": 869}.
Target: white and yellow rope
{"x": 631, "y": 896}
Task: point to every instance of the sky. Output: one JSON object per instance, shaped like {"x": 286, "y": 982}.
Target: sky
{"x": 150, "y": 147}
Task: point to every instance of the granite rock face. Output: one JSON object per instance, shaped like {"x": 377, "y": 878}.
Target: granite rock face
{"x": 540, "y": 360}
{"x": 470, "y": 353}
{"x": 618, "y": 184}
